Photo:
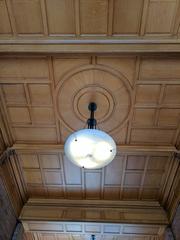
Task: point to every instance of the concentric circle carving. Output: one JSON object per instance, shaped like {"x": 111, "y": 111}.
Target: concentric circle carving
{"x": 109, "y": 89}
{"x": 96, "y": 94}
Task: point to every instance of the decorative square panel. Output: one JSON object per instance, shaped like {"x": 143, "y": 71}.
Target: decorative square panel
{"x": 157, "y": 163}
{"x": 11, "y": 91}
{"x": 172, "y": 94}
{"x": 132, "y": 179}
{"x": 72, "y": 173}
{"x": 19, "y": 115}
{"x": 93, "y": 16}
{"x": 127, "y": 16}
{"x": 50, "y": 161}
{"x": 33, "y": 176}
{"x": 93, "y": 185}
{"x": 28, "y": 16}
{"x": 40, "y": 94}
{"x": 159, "y": 69}
{"x": 116, "y": 166}
{"x": 35, "y": 134}
{"x": 144, "y": 117}
{"x": 21, "y": 68}
{"x": 153, "y": 179}
{"x": 160, "y": 16}
{"x": 29, "y": 160}
{"x": 152, "y": 136}
{"x": 61, "y": 16}
{"x": 169, "y": 117}
{"x": 5, "y": 26}
{"x": 147, "y": 94}
{"x": 52, "y": 177}
{"x": 42, "y": 115}
{"x": 135, "y": 162}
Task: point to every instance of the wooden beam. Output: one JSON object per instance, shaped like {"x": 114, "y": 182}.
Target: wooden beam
{"x": 84, "y": 216}
{"x": 110, "y": 46}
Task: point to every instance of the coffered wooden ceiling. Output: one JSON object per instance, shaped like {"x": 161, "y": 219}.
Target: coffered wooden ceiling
{"x": 157, "y": 18}
{"x": 44, "y": 94}
{"x": 44, "y": 99}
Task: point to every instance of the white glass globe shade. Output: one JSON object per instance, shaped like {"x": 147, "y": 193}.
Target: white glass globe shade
{"x": 90, "y": 148}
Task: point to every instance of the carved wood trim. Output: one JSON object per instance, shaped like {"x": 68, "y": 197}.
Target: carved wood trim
{"x": 79, "y": 216}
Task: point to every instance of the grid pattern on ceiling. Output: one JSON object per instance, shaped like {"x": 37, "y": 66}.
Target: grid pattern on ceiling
{"x": 127, "y": 177}
{"x": 90, "y": 17}
{"x": 141, "y": 105}
{"x": 143, "y": 98}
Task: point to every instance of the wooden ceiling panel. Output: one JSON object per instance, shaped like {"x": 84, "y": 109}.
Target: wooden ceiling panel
{"x": 107, "y": 18}
{"x": 152, "y": 136}
{"x": 144, "y": 117}
{"x": 134, "y": 177}
{"x": 127, "y": 16}
{"x": 62, "y": 66}
{"x": 61, "y": 16}
{"x": 28, "y": 16}
{"x": 93, "y": 16}
{"x": 20, "y": 68}
{"x": 125, "y": 65}
{"x": 138, "y": 104}
{"x": 141, "y": 105}
{"x": 159, "y": 69}
{"x": 11, "y": 91}
{"x": 168, "y": 117}
{"x": 35, "y": 134}
{"x": 171, "y": 95}
{"x": 147, "y": 94}
{"x": 161, "y": 16}
{"x": 5, "y": 26}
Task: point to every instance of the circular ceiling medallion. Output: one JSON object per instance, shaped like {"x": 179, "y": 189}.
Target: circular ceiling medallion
{"x": 109, "y": 90}
{"x": 96, "y": 94}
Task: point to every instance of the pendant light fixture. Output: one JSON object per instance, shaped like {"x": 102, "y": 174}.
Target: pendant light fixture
{"x": 90, "y": 148}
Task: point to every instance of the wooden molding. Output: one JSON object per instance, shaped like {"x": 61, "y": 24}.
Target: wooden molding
{"x": 84, "y": 46}
{"x": 89, "y": 216}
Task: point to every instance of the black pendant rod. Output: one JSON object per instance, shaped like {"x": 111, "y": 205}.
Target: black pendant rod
{"x": 92, "y": 121}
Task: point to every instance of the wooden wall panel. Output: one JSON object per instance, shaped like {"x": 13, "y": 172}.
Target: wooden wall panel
{"x": 8, "y": 218}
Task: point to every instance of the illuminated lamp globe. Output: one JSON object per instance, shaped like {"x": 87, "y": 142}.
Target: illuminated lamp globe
{"x": 90, "y": 148}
